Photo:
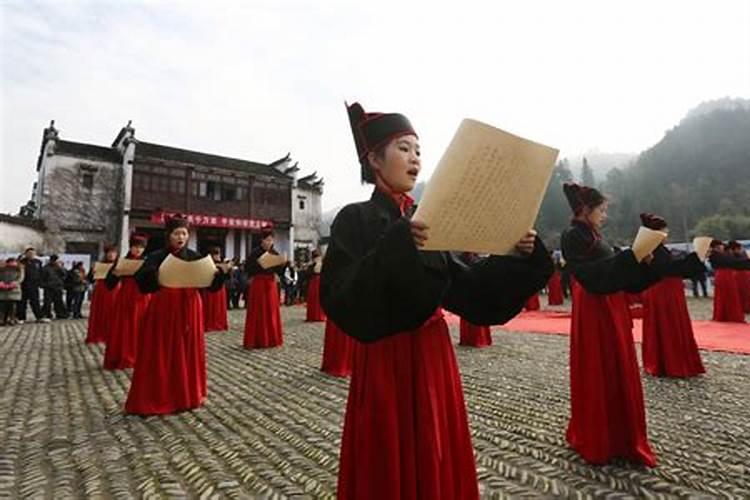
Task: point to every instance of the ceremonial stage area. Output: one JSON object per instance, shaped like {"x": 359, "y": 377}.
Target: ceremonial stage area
{"x": 272, "y": 423}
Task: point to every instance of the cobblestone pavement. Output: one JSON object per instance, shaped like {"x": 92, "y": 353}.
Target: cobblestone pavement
{"x": 272, "y": 423}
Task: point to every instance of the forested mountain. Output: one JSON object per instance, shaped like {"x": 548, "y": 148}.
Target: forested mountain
{"x": 697, "y": 177}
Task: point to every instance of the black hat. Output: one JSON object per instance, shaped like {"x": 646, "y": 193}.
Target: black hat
{"x": 582, "y": 196}
{"x": 374, "y": 130}
{"x": 176, "y": 221}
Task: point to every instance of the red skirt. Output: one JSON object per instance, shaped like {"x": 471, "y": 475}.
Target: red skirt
{"x": 314, "y": 310}
{"x": 727, "y": 298}
{"x": 608, "y": 418}
{"x": 101, "y": 312}
{"x": 263, "y": 319}
{"x": 743, "y": 285}
{"x": 170, "y": 369}
{"x": 532, "y": 304}
{"x": 406, "y": 432}
{"x": 129, "y": 309}
{"x": 474, "y": 335}
{"x": 554, "y": 287}
{"x": 338, "y": 351}
{"x": 668, "y": 345}
{"x": 215, "y": 309}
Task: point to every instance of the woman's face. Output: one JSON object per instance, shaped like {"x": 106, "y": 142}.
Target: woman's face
{"x": 597, "y": 216}
{"x": 136, "y": 250}
{"x": 266, "y": 243}
{"x": 111, "y": 255}
{"x": 178, "y": 238}
{"x": 400, "y": 165}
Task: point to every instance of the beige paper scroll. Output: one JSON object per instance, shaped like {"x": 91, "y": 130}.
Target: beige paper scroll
{"x": 646, "y": 242}
{"x": 225, "y": 266}
{"x": 486, "y": 191}
{"x": 701, "y": 246}
{"x": 318, "y": 265}
{"x": 127, "y": 267}
{"x": 177, "y": 273}
{"x": 101, "y": 269}
{"x": 268, "y": 260}
{"x": 748, "y": 253}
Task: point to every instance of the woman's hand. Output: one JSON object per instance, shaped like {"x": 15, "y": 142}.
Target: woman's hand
{"x": 419, "y": 232}
{"x": 526, "y": 245}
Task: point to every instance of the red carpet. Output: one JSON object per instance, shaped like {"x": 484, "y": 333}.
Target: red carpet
{"x": 710, "y": 335}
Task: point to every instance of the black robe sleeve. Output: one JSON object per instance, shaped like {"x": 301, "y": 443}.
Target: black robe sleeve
{"x": 147, "y": 277}
{"x": 374, "y": 292}
{"x": 722, "y": 261}
{"x": 609, "y": 274}
{"x": 684, "y": 267}
{"x": 376, "y": 283}
{"x": 112, "y": 280}
{"x": 494, "y": 289}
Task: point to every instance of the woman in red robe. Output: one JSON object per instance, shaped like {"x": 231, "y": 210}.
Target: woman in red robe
{"x": 533, "y": 303}
{"x": 742, "y": 276}
{"x": 554, "y": 287}
{"x": 338, "y": 351}
{"x": 406, "y": 432}
{"x": 474, "y": 335}
{"x": 668, "y": 347}
{"x": 727, "y": 295}
{"x": 127, "y": 316}
{"x": 170, "y": 368}
{"x": 314, "y": 310}
{"x": 215, "y": 302}
{"x": 102, "y": 303}
{"x": 608, "y": 417}
{"x": 263, "y": 319}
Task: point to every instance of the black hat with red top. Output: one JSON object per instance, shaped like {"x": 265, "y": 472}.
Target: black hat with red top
{"x": 138, "y": 239}
{"x": 372, "y": 131}
{"x": 579, "y": 196}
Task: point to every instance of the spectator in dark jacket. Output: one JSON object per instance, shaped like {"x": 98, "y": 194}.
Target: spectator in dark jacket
{"x": 30, "y": 286}
{"x": 75, "y": 289}
{"x": 53, "y": 283}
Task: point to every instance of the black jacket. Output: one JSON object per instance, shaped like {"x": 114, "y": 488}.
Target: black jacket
{"x": 376, "y": 283}
{"x": 53, "y": 277}
{"x": 726, "y": 261}
{"x": 33, "y": 273}
{"x": 147, "y": 277}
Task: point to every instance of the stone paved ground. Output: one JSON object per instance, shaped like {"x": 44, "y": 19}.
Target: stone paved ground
{"x": 272, "y": 423}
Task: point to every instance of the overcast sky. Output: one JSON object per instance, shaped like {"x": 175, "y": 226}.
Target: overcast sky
{"x": 256, "y": 80}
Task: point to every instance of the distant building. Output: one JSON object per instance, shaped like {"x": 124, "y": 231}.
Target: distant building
{"x": 88, "y": 195}
{"x": 307, "y": 214}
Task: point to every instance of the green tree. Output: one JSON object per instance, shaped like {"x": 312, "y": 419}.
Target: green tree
{"x": 587, "y": 174}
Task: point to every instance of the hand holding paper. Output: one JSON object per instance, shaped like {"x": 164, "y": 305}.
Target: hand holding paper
{"x": 318, "y": 265}
{"x": 127, "y": 267}
{"x": 101, "y": 269}
{"x": 485, "y": 193}
{"x": 646, "y": 242}
{"x": 268, "y": 260}
{"x": 701, "y": 245}
{"x": 178, "y": 273}
{"x": 225, "y": 266}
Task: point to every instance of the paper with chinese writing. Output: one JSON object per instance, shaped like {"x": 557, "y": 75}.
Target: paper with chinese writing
{"x": 177, "y": 273}
{"x": 646, "y": 242}
{"x": 127, "y": 267}
{"x": 101, "y": 269}
{"x": 486, "y": 191}
{"x": 268, "y": 260}
{"x": 701, "y": 245}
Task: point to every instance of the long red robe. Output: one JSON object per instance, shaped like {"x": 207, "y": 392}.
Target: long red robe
{"x": 101, "y": 312}
{"x": 263, "y": 319}
{"x": 314, "y": 309}
{"x": 474, "y": 335}
{"x": 668, "y": 345}
{"x": 128, "y": 314}
{"x": 338, "y": 351}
